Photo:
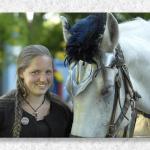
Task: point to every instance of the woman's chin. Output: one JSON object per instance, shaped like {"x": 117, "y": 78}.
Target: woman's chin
{"x": 40, "y": 92}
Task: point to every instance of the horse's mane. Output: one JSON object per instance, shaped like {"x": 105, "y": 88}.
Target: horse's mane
{"x": 85, "y": 36}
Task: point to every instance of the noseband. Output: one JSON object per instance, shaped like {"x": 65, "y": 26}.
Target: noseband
{"x": 131, "y": 96}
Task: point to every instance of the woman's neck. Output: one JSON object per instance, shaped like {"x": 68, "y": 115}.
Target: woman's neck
{"x": 33, "y": 99}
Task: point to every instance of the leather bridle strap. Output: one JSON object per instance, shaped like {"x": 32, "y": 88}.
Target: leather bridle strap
{"x": 134, "y": 96}
{"x": 114, "y": 126}
{"x": 130, "y": 97}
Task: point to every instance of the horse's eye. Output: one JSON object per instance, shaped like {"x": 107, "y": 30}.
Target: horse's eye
{"x": 106, "y": 90}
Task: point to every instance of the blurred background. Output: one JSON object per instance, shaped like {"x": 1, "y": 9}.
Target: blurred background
{"x": 20, "y": 29}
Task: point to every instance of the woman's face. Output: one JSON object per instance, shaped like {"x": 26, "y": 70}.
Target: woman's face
{"x": 38, "y": 76}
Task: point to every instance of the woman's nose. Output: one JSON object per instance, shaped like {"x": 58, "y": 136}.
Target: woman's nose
{"x": 43, "y": 77}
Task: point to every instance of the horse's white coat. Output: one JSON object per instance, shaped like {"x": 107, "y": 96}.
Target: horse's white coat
{"x": 134, "y": 40}
{"x": 92, "y": 109}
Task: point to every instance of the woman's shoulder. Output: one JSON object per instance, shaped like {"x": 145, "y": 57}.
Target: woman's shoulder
{"x": 8, "y": 98}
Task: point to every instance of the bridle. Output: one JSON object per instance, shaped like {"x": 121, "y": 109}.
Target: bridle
{"x": 131, "y": 96}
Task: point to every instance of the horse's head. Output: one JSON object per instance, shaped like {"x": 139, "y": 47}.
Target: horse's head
{"x": 91, "y": 44}
{"x": 91, "y": 35}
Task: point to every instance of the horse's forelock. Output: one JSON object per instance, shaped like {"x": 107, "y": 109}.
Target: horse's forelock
{"x": 84, "y": 40}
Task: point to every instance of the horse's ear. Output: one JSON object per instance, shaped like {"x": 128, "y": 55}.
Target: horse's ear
{"x": 66, "y": 27}
{"x": 111, "y": 34}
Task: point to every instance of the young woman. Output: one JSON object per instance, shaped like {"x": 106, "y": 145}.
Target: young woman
{"x": 31, "y": 110}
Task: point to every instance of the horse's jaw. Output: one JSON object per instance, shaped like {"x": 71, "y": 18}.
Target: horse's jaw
{"x": 90, "y": 118}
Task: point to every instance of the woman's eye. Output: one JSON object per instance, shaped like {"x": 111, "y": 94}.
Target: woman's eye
{"x": 35, "y": 72}
{"x": 49, "y": 72}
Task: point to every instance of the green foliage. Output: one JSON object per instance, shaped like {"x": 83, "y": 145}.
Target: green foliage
{"x": 49, "y": 35}
{"x": 12, "y": 29}
{"x": 121, "y": 17}
{"x": 16, "y": 30}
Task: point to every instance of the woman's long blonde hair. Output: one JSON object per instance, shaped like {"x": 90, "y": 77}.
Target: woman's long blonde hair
{"x": 23, "y": 61}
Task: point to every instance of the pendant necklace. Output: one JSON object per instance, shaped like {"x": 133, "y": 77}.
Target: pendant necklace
{"x": 35, "y": 111}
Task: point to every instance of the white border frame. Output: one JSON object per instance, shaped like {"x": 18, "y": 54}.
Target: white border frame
{"x": 74, "y": 6}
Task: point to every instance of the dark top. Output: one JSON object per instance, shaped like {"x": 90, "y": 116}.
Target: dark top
{"x": 56, "y": 124}
{"x": 41, "y": 128}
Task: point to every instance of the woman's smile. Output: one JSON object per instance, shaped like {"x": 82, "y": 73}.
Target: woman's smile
{"x": 42, "y": 86}
{"x": 38, "y": 76}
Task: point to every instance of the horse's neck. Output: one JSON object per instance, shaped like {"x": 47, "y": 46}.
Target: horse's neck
{"x": 137, "y": 53}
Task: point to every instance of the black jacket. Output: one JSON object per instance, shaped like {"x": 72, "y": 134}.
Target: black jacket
{"x": 58, "y": 122}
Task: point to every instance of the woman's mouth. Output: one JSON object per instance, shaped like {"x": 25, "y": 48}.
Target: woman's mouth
{"x": 43, "y": 86}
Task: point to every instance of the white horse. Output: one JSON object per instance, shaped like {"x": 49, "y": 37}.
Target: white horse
{"x": 95, "y": 79}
